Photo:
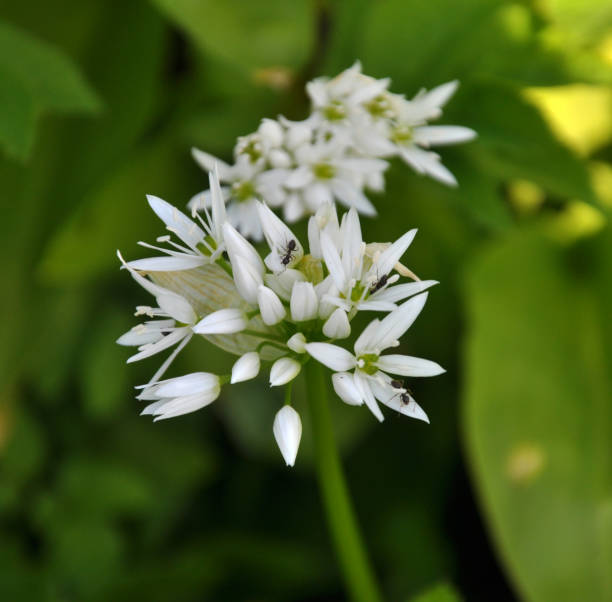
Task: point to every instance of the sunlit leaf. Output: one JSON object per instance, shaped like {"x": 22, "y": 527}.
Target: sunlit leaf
{"x": 538, "y": 419}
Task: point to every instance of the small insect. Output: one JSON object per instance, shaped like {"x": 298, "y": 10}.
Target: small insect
{"x": 404, "y": 396}
{"x": 288, "y": 256}
{"x": 379, "y": 283}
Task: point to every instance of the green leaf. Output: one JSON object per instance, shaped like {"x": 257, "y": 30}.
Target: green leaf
{"x": 538, "y": 418}
{"x": 35, "y": 77}
{"x": 514, "y": 141}
{"x": 106, "y": 222}
{"x": 250, "y": 34}
{"x": 438, "y": 593}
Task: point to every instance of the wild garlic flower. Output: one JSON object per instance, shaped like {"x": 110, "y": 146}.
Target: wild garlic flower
{"x": 337, "y": 154}
{"x": 293, "y": 304}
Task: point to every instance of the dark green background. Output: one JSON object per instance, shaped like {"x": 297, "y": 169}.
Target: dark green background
{"x": 506, "y": 495}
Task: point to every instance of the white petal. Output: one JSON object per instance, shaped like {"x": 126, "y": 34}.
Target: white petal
{"x": 140, "y": 335}
{"x": 406, "y": 365}
{"x": 288, "y": 432}
{"x": 345, "y": 388}
{"x": 187, "y": 230}
{"x": 223, "y": 321}
{"x": 363, "y": 386}
{"x": 367, "y": 338}
{"x": 247, "y": 280}
{"x": 246, "y": 367}
{"x": 390, "y": 256}
{"x": 270, "y": 306}
{"x": 400, "y": 292}
{"x": 177, "y": 307}
{"x": 429, "y": 163}
{"x": 337, "y": 325}
{"x": 239, "y": 248}
{"x": 351, "y": 196}
{"x": 153, "y": 348}
{"x": 398, "y": 322}
{"x": 352, "y": 247}
{"x": 439, "y": 135}
{"x": 190, "y": 384}
{"x": 299, "y": 177}
{"x": 284, "y": 370}
{"x": 278, "y": 235}
{"x": 168, "y": 264}
{"x": 185, "y": 404}
{"x": 297, "y": 343}
{"x": 208, "y": 162}
{"x": 389, "y": 396}
{"x": 332, "y": 356}
{"x": 333, "y": 261}
{"x": 218, "y": 204}
{"x": 304, "y": 303}
{"x": 282, "y": 284}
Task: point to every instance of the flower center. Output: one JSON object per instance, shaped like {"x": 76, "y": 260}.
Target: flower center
{"x": 323, "y": 171}
{"x": 379, "y": 106}
{"x": 366, "y": 363}
{"x": 357, "y": 292}
{"x": 252, "y": 149}
{"x": 334, "y": 111}
{"x": 401, "y": 134}
{"x": 243, "y": 191}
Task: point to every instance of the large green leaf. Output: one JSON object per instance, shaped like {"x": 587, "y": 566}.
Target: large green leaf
{"x": 35, "y": 77}
{"x": 514, "y": 141}
{"x": 250, "y": 34}
{"x": 538, "y": 413}
{"x": 475, "y": 37}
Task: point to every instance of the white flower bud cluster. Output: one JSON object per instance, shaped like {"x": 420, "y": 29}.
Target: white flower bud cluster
{"x": 335, "y": 155}
{"x": 289, "y": 307}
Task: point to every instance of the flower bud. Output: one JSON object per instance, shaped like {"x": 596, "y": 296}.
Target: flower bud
{"x": 288, "y": 432}
{"x": 297, "y": 343}
{"x": 224, "y": 321}
{"x": 304, "y": 303}
{"x": 246, "y": 367}
{"x": 270, "y": 306}
{"x": 284, "y": 370}
{"x": 337, "y": 325}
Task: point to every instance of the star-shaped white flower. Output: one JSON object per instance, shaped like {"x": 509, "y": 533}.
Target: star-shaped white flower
{"x": 370, "y": 380}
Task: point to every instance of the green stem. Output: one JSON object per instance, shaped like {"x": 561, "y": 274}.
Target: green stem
{"x": 358, "y": 574}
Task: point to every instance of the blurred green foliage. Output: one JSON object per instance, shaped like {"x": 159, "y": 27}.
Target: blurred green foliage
{"x": 101, "y": 101}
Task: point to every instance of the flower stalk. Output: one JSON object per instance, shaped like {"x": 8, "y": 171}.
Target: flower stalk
{"x": 356, "y": 569}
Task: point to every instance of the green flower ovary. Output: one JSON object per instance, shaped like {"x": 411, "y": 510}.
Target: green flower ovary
{"x": 324, "y": 171}
{"x": 253, "y": 150}
{"x": 243, "y": 191}
{"x": 401, "y": 134}
{"x": 369, "y": 360}
{"x": 334, "y": 111}
{"x": 379, "y": 106}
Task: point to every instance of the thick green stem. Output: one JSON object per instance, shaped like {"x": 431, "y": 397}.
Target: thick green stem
{"x": 358, "y": 574}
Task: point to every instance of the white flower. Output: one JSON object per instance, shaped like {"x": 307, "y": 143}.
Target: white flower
{"x": 337, "y": 325}
{"x": 270, "y": 306}
{"x": 304, "y": 303}
{"x": 246, "y": 367}
{"x": 283, "y": 371}
{"x": 181, "y": 395}
{"x": 286, "y": 250}
{"x": 155, "y": 336}
{"x": 362, "y": 285}
{"x": 288, "y": 432}
{"x": 224, "y": 321}
{"x": 297, "y": 343}
{"x": 370, "y": 381}
{"x": 247, "y": 265}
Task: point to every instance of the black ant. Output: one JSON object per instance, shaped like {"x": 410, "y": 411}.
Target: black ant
{"x": 405, "y": 396}
{"x": 289, "y": 253}
{"x": 379, "y": 283}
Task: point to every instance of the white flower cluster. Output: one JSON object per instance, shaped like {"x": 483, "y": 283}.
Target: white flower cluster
{"x": 336, "y": 154}
{"x": 290, "y": 307}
